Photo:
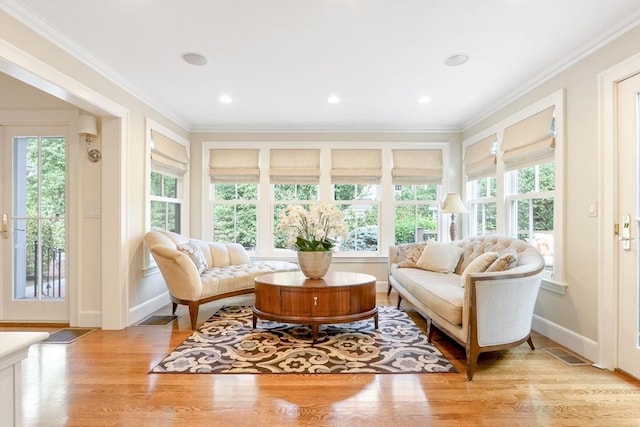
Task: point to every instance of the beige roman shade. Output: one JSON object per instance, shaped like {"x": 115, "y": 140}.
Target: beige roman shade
{"x": 530, "y": 141}
{"x": 294, "y": 166}
{"x": 356, "y": 166}
{"x": 231, "y": 165}
{"x": 417, "y": 166}
{"x": 480, "y": 158}
{"x": 168, "y": 154}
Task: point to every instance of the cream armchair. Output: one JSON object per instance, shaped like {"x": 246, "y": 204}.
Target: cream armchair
{"x": 197, "y": 272}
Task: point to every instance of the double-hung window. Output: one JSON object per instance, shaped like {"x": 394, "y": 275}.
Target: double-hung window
{"x": 416, "y": 179}
{"x": 528, "y": 155}
{"x": 169, "y": 164}
{"x": 234, "y": 174}
{"x": 355, "y": 178}
{"x": 480, "y": 171}
{"x": 294, "y": 177}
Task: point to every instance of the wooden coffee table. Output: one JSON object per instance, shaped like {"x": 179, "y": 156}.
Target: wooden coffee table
{"x": 338, "y": 297}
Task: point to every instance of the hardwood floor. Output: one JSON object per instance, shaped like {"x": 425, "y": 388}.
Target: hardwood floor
{"x": 102, "y": 379}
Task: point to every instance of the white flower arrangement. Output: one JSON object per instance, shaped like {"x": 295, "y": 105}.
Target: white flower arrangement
{"x": 314, "y": 229}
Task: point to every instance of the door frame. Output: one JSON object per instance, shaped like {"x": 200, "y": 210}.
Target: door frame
{"x": 114, "y": 248}
{"x": 608, "y": 248}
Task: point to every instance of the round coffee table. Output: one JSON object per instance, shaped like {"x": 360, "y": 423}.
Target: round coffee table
{"x": 338, "y": 297}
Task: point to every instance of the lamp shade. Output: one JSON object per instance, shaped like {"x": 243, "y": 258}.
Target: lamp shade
{"x": 87, "y": 125}
{"x": 453, "y": 204}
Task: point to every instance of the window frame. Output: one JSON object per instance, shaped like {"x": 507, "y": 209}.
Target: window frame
{"x": 149, "y": 265}
{"x": 264, "y": 247}
{"x": 557, "y": 282}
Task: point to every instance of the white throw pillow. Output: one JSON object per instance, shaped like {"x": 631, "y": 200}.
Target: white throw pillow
{"x": 478, "y": 265}
{"x": 197, "y": 256}
{"x": 440, "y": 257}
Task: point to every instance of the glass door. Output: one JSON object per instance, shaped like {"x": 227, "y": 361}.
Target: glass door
{"x": 34, "y": 228}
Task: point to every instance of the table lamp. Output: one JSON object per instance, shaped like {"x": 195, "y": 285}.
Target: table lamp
{"x": 453, "y": 205}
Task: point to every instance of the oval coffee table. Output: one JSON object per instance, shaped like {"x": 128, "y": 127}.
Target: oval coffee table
{"x": 338, "y": 297}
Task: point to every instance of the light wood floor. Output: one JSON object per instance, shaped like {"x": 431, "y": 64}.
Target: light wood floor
{"x": 102, "y": 379}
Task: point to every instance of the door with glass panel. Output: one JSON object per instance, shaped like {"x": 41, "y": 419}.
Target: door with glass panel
{"x": 629, "y": 216}
{"x": 34, "y": 229}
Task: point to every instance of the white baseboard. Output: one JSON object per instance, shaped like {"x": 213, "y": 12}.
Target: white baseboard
{"x": 580, "y": 345}
{"x": 147, "y": 308}
{"x": 89, "y": 319}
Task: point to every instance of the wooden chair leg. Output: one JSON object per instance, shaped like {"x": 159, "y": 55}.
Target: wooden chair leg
{"x": 530, "y": 342}
{"x": 399, "y": 301}
{"x": 472, "y": 361}
{"x": 429, "y": 331}
{"x": 174, "y": 307}
{"x": 193, "y": 314}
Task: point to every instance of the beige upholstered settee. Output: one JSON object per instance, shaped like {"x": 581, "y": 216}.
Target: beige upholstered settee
{"x": 482, "y": 293}
{"x": 197, "y": 272}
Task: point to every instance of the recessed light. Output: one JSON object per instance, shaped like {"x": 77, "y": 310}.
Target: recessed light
{"x": 194, "y": 58}
{"x": 225, "y": 99}
{"x": 455, "y": 60}
{"x": 333, "y": 99}
{"x": 424, "y": 100}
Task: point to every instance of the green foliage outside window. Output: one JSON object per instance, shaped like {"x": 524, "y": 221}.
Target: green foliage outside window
{"x": 409, "y": 218}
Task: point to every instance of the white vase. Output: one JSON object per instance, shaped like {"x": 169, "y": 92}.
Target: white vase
{"x": 314, "y": 265}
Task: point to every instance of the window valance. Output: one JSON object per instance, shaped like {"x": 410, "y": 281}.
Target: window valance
{"x": 230, "y": 165}
{"x": 417, "y": 166}
{"x": 530, "y": 141}
{"x": 294, "y": 166}
{"x": 480, "y": 158}
{"x": 355, "y": 166}
{"x": 168, "y": 154}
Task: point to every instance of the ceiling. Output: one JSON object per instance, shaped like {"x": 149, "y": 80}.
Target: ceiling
{"x": 279, "y": 61}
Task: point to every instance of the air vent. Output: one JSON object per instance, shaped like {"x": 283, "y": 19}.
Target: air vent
{"x": 566, "y": 357}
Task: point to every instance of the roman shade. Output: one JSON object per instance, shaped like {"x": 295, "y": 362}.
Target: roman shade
{"x": 417, "y": 166}
{"x": 168, "y": 154}
{"x": 294, "y": 166}
{"x": 231, "y": 165}
{"x": 480, "y": 158}
{"x": 530, "y": 141}
{"x": 356, "y": 166}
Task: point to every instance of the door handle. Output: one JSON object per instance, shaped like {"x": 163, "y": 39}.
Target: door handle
{"x": 625, "y": 234}
{"x": 5, "y": 226}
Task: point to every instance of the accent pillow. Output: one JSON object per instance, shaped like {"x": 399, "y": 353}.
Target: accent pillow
{"x": 506, "y": 260}
{"x": 408, "y": 255}
{"x": 197, "y": 256}
{"x": 440, "y": 257}
{"x": 478, "y": 265}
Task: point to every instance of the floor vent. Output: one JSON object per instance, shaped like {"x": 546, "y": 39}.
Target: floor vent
{"x": 66, "y": 336}
{"x": 566, "y": 357}
{"x": 157, "y": 321}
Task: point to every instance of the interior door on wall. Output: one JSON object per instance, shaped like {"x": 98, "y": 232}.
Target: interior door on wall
{"x": 34, "y": 225}
{"x": 629, "y": 214}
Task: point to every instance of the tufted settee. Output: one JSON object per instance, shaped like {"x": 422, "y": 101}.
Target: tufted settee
{"x": 197, "y": 272}
{"x": 483, "y": 298}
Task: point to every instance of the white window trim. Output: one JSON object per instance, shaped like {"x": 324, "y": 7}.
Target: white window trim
{"x": 149, "y": 265}
{"x": 386, "y": 201}
{"x": 472, "y": 225}
{"x": 556, "y": 284}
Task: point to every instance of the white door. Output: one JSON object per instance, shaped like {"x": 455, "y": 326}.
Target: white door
{"x": 33, "y": 224}
{"x": 629, "y": 216}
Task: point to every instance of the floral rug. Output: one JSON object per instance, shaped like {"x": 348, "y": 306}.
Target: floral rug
{"x": 228, "y": 344}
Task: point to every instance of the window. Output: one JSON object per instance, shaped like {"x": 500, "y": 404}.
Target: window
{"x": 482, "y": 205}
{"x": 169, "y": 162}
{"x": 294, "y": 176}
{"x": 531, "y": 182}
{"x": 416, "y": 177}
{"x": 531, "y": 204}
{"x": 248, "y": 184}
{"x": 355, "y": 175}
{"x": 167, "y": 190}
{"x": 166, "y": 202}
{"x": 416, "y": 213}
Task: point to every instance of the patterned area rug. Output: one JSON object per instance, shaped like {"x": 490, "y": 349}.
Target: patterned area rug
{"x": 227, "y": 344}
